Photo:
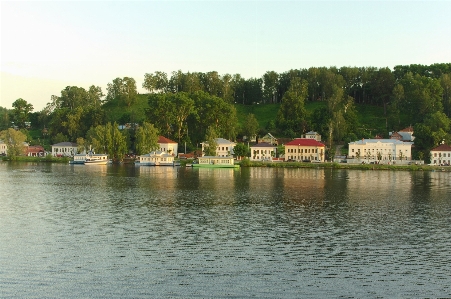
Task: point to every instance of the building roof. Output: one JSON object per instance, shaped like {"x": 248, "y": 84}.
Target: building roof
{"x": 263, "y": 144}
{"x": 394, "y": 141}
{"x": 305, "y": 142}
{"x": 408, "y": 129}
{"x": 162, "y": 139}
{"x": 442, "y": 148}
{"x": 65, "y": 144}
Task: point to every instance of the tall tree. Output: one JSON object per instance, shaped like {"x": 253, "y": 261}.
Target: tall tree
{"x": 123, "y": 90}
{"x": 14, "y": 141}
{"x": 20, "y": 112}
{"x": 146, "y": 138}
{"x": 292, "y": 115}
{"x": 270, "y": 84}
{"x": 210, "y": 137}
{"x": 156, "y": 82}
{"x": 251, "y": 126}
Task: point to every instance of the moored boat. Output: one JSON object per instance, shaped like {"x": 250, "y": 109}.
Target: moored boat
{"x": 97, "y": 159}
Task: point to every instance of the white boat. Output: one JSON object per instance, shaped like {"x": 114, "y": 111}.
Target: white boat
{"x": 78, "y": 159}
{"x": 97, "y": 159}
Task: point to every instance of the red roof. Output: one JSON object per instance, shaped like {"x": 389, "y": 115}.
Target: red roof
{"x": 305, "y": 142}
{"x": 162, "y": 139}
{"x": 408, "y": 129}
{"x": 442, "y": 148}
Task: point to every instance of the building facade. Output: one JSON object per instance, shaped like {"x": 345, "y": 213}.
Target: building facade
{"x": 263, "y": 151}
{"x": 305, "y": 149}
{"x": 167, "y": 145}
{"x": 372, "y": 150}
{"x": 441, "y": 155}
{"x": 64, "y": 149}
{"x": 224, "y": 148}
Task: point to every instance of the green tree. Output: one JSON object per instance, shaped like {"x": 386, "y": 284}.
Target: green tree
{"x": 156, "y": 82}
{"x": 146, "y": 138}
{"x": 4, "y": 118}
{"x": 241, "y": 150}
{"x": 109, "y": 140}
{"x": 20, "y": 112}
{"x": 292, "y": 114}
{"x": 122, "y": 90}
{"x": 14, "y": 141}
{"x": 211, "y": 144}
{"x": 251, "y": 126}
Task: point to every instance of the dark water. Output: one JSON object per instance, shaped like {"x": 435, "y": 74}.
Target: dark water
{"x": 155, "y": 232}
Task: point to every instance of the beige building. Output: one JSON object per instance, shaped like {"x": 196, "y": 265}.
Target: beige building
{"x": 441, "y": 155}
{"x": 263, "y": 151}
{"x": 305, "y": 149}
{"x": 224, "y": 148}
{"x": 372, "y": 150}
{"x": 66, "y": 149}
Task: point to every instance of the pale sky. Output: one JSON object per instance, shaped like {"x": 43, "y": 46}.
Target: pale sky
{"x": 48, "y": 45}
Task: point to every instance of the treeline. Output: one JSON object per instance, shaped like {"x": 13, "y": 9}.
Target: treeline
{"x": 183, "y": 105}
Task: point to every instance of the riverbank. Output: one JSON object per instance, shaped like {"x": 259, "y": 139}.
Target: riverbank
{"x": 247, "y": 163}
{"x": 47, "y": 159}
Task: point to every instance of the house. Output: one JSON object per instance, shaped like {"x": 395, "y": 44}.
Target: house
{"x": 3, "y": 148}
{"x": 403, "y": 135}
{"x": 268, "y": 138}
{"x": 35, "y": 151}
{"x": 167, "y": 145}
{"x": 441, "y": 155}
{"x": 305, "y": 149}
{"x": 224, "y": 148}
{"x": 312, "y": 135}
{"x": 68, "y": 149}
{"x": 263, "y": 151}
{"x": 380, "y": 150}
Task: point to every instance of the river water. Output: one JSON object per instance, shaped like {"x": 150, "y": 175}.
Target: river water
{"x": 74, "y": 231}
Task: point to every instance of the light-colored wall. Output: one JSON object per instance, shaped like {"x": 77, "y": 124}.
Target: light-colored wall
{"x": 68, "y": 151}
{"x": 299, "y": 153}
{"x": 441, "y": 157}
{"x": 262, "y": 153}
{"x": 388, "y": 150}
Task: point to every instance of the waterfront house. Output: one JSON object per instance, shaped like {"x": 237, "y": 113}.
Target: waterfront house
{"x": 66, "y": 149}
{"x": 379, "y": 150}
{"x": 35, "y": 151}
{"x": 3, "y": 148}
{"x": 441, "y": 155}
{"x": 224, "y": 147}
{"x": 305, "y": 149}
{"x": 167, "y": 145}
{"x": 263, "y": 151}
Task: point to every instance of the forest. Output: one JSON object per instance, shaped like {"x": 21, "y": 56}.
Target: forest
{"x": 342, "y": 104}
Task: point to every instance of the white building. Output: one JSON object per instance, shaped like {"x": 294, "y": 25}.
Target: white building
{"x": 224, "y": 148}
{"x": 67, "y": 149}
{"x": 3, "y": 148}
{"x": 382, "y": 150}
{"x": 441, "y": 155}
{"x": 167, "y": 145}
{"x": 263, "y": 151}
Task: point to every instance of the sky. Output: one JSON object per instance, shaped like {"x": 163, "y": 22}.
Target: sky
{"x": 48, "y": 45}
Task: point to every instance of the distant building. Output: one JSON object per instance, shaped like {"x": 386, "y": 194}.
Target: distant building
{"x": 224, "y": 148}
{"x": 263, "y": 151}
{"x": 167, "y": 145}
{"x": 312, "y": 135}
{"x": 3, "y": 148}
{"x": 380, "y": 150}
{"x": 268, "y": 138}
{"x": 35, "y": 151}
{"x": 403, "y": 135}
{"x": 303, "y": 149}
{"x": 441, "y": 155}
{"x": 64, "y": 149}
